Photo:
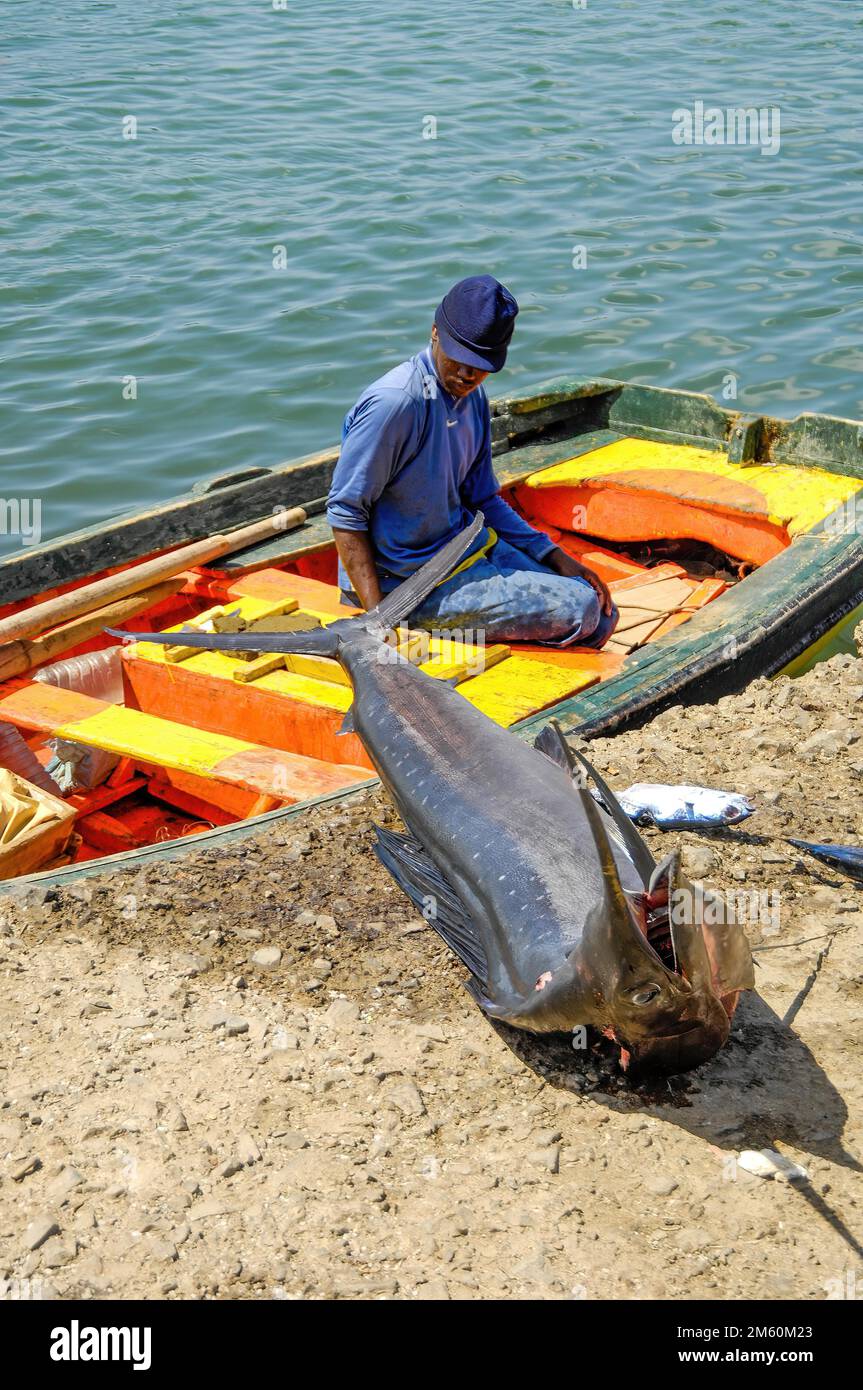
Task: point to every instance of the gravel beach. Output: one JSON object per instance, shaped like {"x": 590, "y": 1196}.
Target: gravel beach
{"x": 254, "y": 1073}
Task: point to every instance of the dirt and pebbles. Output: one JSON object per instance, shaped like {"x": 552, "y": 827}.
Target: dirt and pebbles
{"x": 254, "y": 1073}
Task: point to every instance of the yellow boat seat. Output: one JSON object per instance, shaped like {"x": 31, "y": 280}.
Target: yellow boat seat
{"x": 159, "y": 742}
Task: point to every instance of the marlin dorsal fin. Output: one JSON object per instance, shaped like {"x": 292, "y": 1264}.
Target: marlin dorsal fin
{"x": 551, "y": 741}
{"x": 637, "y": 848}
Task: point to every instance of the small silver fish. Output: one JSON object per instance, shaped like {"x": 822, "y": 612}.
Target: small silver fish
{"x": 676, "y": 807}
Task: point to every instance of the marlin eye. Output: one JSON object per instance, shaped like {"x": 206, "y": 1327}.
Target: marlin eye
{"x": 645, "y": 994}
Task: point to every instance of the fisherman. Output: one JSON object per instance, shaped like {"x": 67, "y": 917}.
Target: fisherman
{"x": 415, "y": 468}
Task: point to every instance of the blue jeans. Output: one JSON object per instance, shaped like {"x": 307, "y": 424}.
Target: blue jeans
{"x": 513, "y": 598}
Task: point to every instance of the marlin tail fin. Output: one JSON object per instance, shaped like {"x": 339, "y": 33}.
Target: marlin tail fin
{"x": 317, "y": 641}
{"x": 326, "y": 641}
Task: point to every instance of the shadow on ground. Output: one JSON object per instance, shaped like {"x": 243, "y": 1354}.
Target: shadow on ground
{"x": 763, "y": 1090}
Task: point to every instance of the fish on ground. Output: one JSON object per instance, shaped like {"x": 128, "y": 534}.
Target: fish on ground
{"x": 555, "y": 905}
{"x": 682, "y": 807}
{"x": 848, "y": 858}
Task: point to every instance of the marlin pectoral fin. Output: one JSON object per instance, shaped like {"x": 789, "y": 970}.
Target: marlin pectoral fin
{"x": 475, "y": 990}
{"x": 347, "y": 725}
{"x": 428, "y": 890}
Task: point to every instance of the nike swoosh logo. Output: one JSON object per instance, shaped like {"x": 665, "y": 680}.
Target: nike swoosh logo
{"x": 450, "y": 423}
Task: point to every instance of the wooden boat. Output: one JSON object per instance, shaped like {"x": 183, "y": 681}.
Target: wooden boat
{"x": 730, "y": 543}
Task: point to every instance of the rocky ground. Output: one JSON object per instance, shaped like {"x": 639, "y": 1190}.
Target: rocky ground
{"x": 254, "y": 1073}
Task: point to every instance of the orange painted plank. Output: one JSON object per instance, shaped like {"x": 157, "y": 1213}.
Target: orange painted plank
{"x": 264, "y": 770}
{"x": 667, "y": 570}
{"x": 218, "y": 802}
{"x": 606, "y": 563}
{"x": 272, "y": 585}
{"x": 601, "y": 663}
{"x": 232, "y": 804}
{"x": 33, "y": 705}
{"x": 277, "y": 584}
{"x": 270, "y": 718}
{"x": 106, "y": 833}
{"x": 91, "y": 799}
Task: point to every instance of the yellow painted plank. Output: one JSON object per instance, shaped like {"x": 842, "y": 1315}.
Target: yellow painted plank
{"x": 313, "y": 679}
{"x": 147, "y": 738}
{"x": 520, "y": 686}
{"x": 245, "y": 671}
{"x": 307, "y": 689}
{"x": 212, "y": 664}
{"x": 795, "y": 498}
{"x": 466, "y": 662}
{"x": 320, "y": 668}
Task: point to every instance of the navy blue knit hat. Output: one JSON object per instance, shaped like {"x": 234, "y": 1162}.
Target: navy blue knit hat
{"x": 475, "y": 322}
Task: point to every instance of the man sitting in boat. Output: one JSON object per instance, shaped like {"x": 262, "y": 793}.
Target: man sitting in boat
{"x": 415, "y": 468}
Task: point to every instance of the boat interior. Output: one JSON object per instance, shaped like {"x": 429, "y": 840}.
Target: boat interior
{"x": 147, "y": 743}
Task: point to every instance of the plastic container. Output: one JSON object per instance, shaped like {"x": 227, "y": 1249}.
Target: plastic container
{"x": 99, "y": 674}
{"x": 15, "y": 754}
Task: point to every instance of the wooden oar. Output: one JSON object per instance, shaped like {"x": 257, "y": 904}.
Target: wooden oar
{"x": 22, "y": 655}
{"x": 57, "y": 610}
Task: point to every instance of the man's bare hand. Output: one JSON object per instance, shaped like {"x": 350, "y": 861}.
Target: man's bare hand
{"x": 561, "y": 563}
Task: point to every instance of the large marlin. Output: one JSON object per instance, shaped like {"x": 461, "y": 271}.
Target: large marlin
{"x": 555, "y": 905}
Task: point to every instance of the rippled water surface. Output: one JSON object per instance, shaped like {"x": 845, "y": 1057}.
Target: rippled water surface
{"x": 258, "y": 128}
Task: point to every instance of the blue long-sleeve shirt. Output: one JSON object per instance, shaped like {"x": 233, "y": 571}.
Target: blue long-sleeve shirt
{"x": 414, "y": 469}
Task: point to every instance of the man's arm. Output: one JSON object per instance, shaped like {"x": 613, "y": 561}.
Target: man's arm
{"x": 378, "y": 432}
{"x": 357, "y": 556}
{"x": 480, "y": 492}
